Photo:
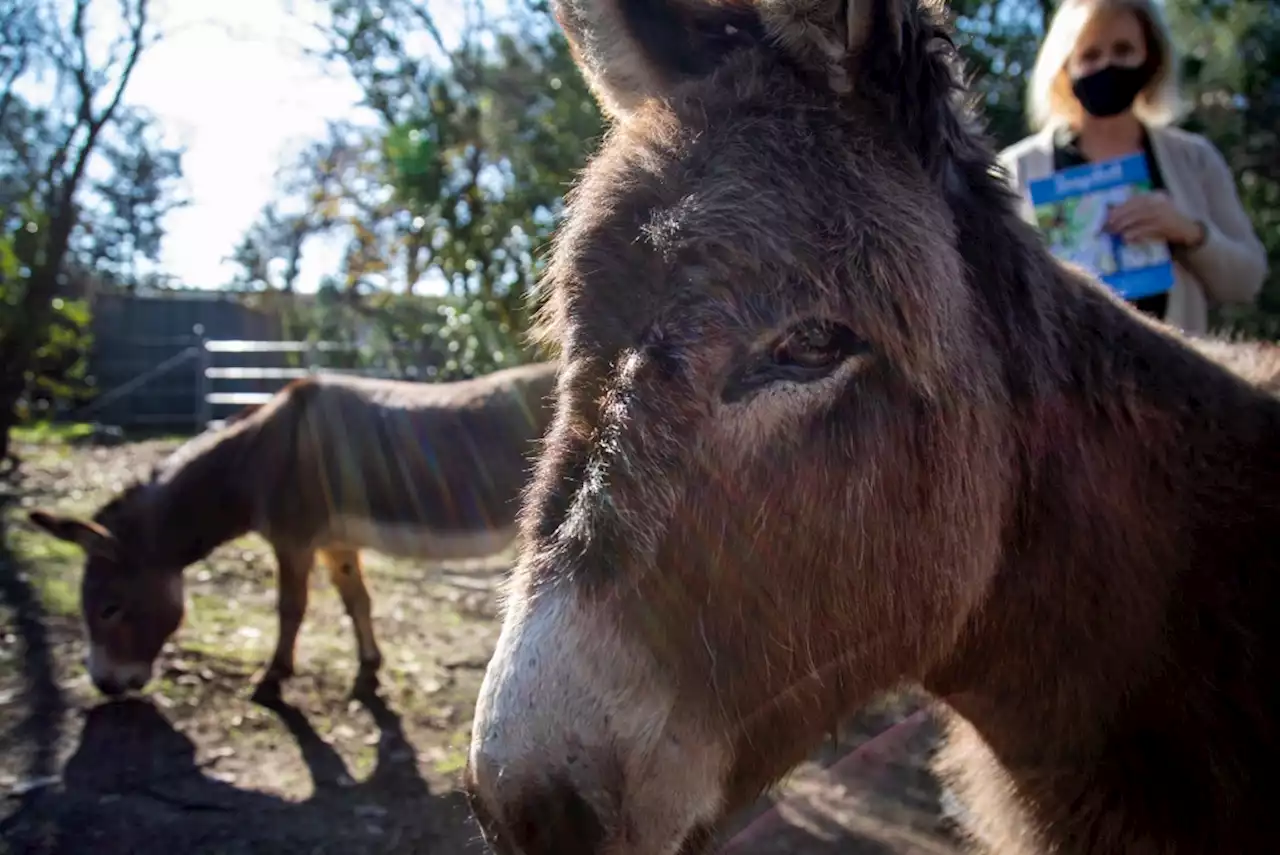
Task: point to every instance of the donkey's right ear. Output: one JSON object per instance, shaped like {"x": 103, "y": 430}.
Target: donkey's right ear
{"x": 88, "y": 535}
{"x": 630, "y": 50}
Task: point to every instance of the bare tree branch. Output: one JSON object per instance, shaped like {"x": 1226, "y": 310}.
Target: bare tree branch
{"x": 6, "y": 97}
{"x": 80, "y": 70}
{"x": 86, "y": 119}
{"x": 424, "y": 16}
{"x": 138, "y": 43}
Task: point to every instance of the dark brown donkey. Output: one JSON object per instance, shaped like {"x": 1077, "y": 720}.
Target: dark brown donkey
{"x": 831, "y": 418}
{"x": 332, "y": 464}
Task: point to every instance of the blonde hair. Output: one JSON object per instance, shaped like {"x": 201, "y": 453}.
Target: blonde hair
{"x": 1049, "y": 96}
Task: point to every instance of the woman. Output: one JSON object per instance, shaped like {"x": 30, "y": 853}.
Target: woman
{"x": 1104, "y": 86}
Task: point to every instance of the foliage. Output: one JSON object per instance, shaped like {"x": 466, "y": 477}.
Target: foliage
{"x": 999, "y": 40}
{"x": 122, "y": 214}
{"x": 328, "y": 182}
{"x": 456, "y": 185}
{"x": 413, "y": 337}
{"x": 57, "y": 372}
{"x": 85, "y": 182}
{"x": 456, "y": 337}
{"x": 1233, "y": 80}
{"x": 54, "y": 432}
{"x": 114, "y": 167}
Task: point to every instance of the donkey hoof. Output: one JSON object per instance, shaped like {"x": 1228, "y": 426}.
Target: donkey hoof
{"x": 267, "y": 692}
{"x": 366, "y": 682}
{"x": 268, "y": 687}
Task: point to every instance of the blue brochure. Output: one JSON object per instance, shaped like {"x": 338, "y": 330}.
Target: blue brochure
{"x": 1071, "y": 207}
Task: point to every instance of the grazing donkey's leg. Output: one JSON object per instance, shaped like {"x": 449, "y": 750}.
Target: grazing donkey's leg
{"x": 348, "y": 578}
{"x": 294, "y": 571}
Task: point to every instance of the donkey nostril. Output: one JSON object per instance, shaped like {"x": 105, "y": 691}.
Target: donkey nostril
{"x": 109, "y": 687}
{"x": 556, "y": 819}
{"x": 137, "y": 682}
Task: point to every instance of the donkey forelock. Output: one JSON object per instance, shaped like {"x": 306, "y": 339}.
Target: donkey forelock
{"x": 767, "y": 161}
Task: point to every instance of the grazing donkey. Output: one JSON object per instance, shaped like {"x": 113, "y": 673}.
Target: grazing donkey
{"x": 332, "y": 465}
{"x": 831, "y": 418}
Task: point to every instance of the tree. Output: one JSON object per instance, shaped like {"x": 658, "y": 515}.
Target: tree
{"x": 999, "y": 41}
{"x": 456, "y": 178}
{"x": 61, "y": 112}
{"x": 474, "y": 146}
{"x": 1232, "y": 75}
{"x": 333, "y": 183}
{"x": 122, "y": 214}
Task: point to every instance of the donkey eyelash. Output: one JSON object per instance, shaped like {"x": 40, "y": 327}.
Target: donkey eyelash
{"x": 763, "y": 374}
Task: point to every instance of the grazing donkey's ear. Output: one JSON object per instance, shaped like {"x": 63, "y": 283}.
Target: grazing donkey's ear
{"x": 630, "y": 50}
{"x": 88, "y": 535}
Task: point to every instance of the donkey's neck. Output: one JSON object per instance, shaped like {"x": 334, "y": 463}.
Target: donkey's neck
{"x": 199, "y": 498}
{"x": 1129, "y": 647}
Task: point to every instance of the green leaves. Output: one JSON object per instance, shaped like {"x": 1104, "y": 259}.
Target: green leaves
{"x": 452, "y": 195}
{"x": 1230, "y": 74}
{"x": 85, "y": 182}
{"x": 56, "y": 372}
{"x": 416, "y": 170}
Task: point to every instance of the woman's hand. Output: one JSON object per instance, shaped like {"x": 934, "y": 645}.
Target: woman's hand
{"x": 1153, "y": 216}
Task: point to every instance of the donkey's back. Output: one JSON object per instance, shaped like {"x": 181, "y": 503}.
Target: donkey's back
{"x": 415, "y": 469}
{"x": 1256, "y": 361}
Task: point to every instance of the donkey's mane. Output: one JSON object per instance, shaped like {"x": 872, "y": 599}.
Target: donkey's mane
{"x": 176, "y": 461}
{"x": 121, "y": 500}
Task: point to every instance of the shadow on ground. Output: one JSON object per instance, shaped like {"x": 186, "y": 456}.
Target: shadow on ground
{"x": 133, "y": 785}
{"x": 36, "y": 734}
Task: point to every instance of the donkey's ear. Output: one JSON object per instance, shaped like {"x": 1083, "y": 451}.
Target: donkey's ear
{"x": 630, "y": 50}
{"x": 88, "y": 535}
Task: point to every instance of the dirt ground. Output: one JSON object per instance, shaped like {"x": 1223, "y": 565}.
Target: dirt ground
{"x": 195, "y": 766}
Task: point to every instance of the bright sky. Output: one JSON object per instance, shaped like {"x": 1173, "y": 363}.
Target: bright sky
{"x": 230, "y": 80}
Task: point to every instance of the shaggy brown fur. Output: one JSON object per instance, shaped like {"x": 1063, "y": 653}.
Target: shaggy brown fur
{"x": 332, "y": 464}
{"x": 831, "y": 418}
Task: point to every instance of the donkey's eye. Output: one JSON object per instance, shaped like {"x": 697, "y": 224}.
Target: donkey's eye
{"x": 816, "y": 345}
{"x": 109, "y": 613}
{"x": 807, "y": 352}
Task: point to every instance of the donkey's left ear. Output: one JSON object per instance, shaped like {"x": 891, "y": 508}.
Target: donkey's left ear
{"x": 631, "y": 50}
{"x": 88, "y": 535}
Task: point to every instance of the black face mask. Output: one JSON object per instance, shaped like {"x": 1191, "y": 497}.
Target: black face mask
{"x": 1111, "y": 89}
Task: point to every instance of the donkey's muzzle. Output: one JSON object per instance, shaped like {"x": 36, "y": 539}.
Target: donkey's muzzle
{"x": 113, "y": 687}
{"x": 549, "y": 817}
{"x": 114, "y": 679}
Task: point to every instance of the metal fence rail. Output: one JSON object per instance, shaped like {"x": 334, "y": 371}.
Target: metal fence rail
{"x": 225, "y": 388}
{"x": 270, "y": 379}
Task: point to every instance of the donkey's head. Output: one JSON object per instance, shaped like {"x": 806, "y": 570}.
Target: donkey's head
{"x": 782, "y": 457}
{"x": 131, "y": 601}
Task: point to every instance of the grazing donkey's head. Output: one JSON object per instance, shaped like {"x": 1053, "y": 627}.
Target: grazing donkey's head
{"x": 787, "y": 304}
{"x": 130, "y": 604}
{"x": 138, "y": 543}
